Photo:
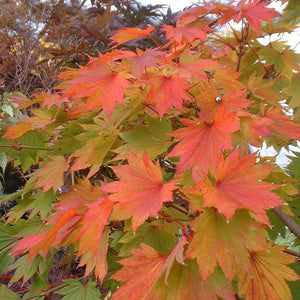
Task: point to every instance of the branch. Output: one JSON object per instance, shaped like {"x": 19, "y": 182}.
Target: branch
{"x": 26, "y": 147}
{"x": 113, "y": 251}
{"x": 293, "y": 253}
{"x": 288, "y": 221}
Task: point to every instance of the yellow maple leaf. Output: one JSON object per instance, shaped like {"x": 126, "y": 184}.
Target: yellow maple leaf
{"x": 267, "y": 275}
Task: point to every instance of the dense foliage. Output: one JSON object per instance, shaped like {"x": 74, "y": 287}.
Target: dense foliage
{"x": 139, "y": 182}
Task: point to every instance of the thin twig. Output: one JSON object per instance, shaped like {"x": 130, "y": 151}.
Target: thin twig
{"x": 169, "y": 204}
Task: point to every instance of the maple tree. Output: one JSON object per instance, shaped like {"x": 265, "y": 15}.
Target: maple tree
{"x": 139, "y": 169}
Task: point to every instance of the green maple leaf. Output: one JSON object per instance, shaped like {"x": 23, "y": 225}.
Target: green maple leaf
{"x": 8, "y": 294}
{"x": 152, "y": 137}
{"x": 75, "y": 290}
{"x": 293, "y": 90}
{"x": 284, "y": 60}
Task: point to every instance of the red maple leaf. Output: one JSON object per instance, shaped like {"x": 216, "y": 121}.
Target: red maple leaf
{"x": 201, "y": 143}
{"x": 140, "y": 191}
{"x": 237, "y": 184}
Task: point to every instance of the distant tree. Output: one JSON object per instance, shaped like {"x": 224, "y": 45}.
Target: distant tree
{"x": 39, "y": 38}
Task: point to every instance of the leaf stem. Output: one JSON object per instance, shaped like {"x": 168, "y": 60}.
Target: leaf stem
{"x": 154, "y": 41}
{"x": 169, "y": 219}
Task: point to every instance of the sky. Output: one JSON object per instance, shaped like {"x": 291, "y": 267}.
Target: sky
{"x": 175, "y": 5}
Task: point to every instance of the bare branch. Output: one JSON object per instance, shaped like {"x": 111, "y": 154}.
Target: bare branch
{"x": 288, "y": 221}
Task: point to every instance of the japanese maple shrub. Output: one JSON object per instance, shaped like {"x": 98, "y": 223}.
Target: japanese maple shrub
{"x": 139, "y": 171}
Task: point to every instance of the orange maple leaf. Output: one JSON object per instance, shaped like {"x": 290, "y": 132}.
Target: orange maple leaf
{"x": 253, "y": 127}
{"x": 93, "y": 222}
{"x": 199, "y": 11}
{"x": 209, "y": 101}
{"x": 197, "y": 68}
{"x": 166, "y": 91}
{"x": 137, "y": 64}
{"x": 201, "y": 143}
{"x": 185, "y": 282}
{"x": 236, "y": 184}
{"x": 184, "y": 34}
{"x": 226, "y": 78}
{"x": 102, "y": 86}
{"x": 267, "y": 275}
{"x": 129, "y": 34}
{"x": 80, "y": 196}
{"x": 140, "y": 191}
{"x": 92, "y": 153}
{"x": 253, "y": 10}
{"x": 282, "y": 123}
{"x": 93, "y": 210}
{"x": 49, "y": 100}
{"x": 14, "y": 132}
{"x": 92, "y": 244}
{"x": 97, "y": 262}
{"x": 51, "y": 175}
{"x": 21, "y": 101}
{"x": 233, "y": 239}
{"x": 41, "y": 243}
{"x": 84, "y": 210}
{"x": 148, "y": 266}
